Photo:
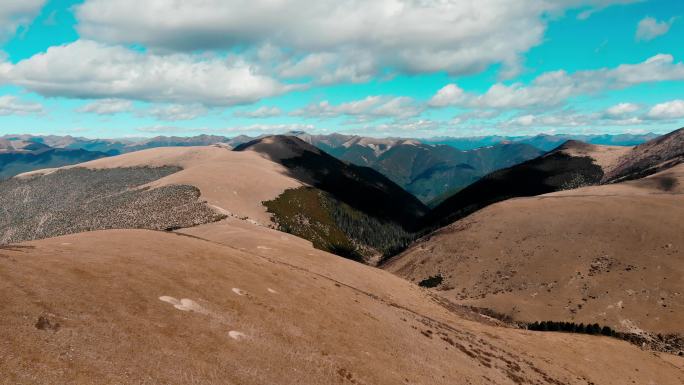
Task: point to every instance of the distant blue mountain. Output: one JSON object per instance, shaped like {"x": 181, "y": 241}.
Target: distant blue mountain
{"x": 543, "y": 141}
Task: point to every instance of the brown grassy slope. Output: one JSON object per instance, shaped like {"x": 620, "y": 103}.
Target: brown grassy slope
{"x": 254, "y": 306}
{"x": 237, "y": 182}
{"x": 658, "y": 154}
{"x": 610, "y": 254}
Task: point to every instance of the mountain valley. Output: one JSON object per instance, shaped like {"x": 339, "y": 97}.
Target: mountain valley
{"x": 174, "y": 253}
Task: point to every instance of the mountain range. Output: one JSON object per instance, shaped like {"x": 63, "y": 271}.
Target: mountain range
{"x": 18, "y": 156}
{"x": 572, "y": 165}
{"x": 545, "y": 142}
{"x": 429, "y": 172}
{"x": 198, "y": 264}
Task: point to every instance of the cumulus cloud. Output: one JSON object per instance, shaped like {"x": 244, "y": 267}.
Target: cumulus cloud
{"x": 344, "y": 39}
{"x": 554, "y": 88}
{"x": 669, "y": 110}
{"x": 451, "y": 94}
{"x": 649, "y": 28}
{"x": 562, "y": 119}
{"x": 175, "y": 112}
{"x": 107, "y": 107}
{"x": 326, "y": 68}
{"x": 661, "y": 67}
{"x": 371, "y": 107}
{"x": 622, "y": 114}
{"x": 261, "y": 112}
{"x": 413, "y": 127}
{"x": 14, "y": 13}
{"x": 621, "y": 110}
{"x": 11, "y": 105}
{"x": 86, "y": 69}
{"x": 571, "y": 119}
{"x": 252, "y": 129}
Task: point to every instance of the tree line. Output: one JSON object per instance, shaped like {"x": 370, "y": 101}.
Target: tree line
{"x": 571, "y": 327}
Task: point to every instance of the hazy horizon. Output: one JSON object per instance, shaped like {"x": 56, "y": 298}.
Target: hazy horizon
{"x": 427, "y": 138}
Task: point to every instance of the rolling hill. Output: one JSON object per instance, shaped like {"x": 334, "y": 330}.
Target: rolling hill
{"x": 609, "y": 253}
{"x": 235, "y": 303}
{"x": 277, "y": 181}
{"x": 183, "y": 278}
{"x": 648, "y": 158}
{"x": 572, "y": 165}
{"x": 347, "y": 209}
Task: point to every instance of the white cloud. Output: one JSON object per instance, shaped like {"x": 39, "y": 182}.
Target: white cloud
{"x": 86, "y": 69}
{"x": 451, "y": 94}
{"x": 172, "y": 112}
{"x": 599, "y": 5}
{"x": 261, "y": 112}
{"x": 550, "y": 120}
{"x": 175, "y": 112}
{"x": 107, "y": 107}
{"x": 11, "y": 105}
{"x": 649, "y": 28}
{"x": 328, "y": 67}
{"x": 413, "y": 125}
{"x": 14, "y": 13}
{"x": 555, "y": 88}
{"x": 657, "y": 68}
{"x": 621, "y": 110}
{"x": 622, "y": 114}
{"x": 338, "y": 40}
{"x": 476, "y": 115}
{"x": 371, "y": 107}
{"x": 252, "y": 129}
{"x": 570, "y": 119}
{"x": 669, "y": 110}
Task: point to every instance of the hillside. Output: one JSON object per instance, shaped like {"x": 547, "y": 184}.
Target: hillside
{"x": 429, "y": 172}
{"x": 350, "y": 210}
{"x": 648, "y": 158}
{"x": 572, "y": 165}
{"x": 235, "y": 303}
{"x": 162, "y": 188}
{"x": 609, "y": 254}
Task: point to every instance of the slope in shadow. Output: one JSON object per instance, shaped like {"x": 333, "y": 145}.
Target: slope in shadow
{"x": 552, "y": 172}
{"x": 360, "y": 187}
{"x": 349, "y": 200}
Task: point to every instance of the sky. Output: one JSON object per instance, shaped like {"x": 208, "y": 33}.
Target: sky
{"x": 408, "y": 68}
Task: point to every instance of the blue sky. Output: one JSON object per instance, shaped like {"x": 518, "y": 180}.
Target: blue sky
{"x": 102, "y": 68}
